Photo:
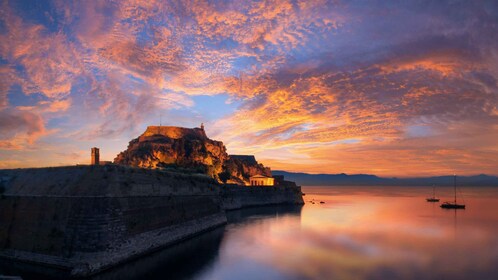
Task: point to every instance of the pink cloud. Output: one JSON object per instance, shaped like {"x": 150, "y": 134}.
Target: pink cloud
{"x": 48, "y": 60}
{"x": 309, "y": 75}
{"x": 20, "y": 129}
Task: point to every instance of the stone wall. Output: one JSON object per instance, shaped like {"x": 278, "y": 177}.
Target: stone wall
{"x": 174, "y": 132}
{"x": 88, "y": 218}
{"x": 236, "y": 197}
{"x": 84, "y": 219}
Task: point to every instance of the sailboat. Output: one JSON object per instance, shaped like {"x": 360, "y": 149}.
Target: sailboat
{"x": 433, "y": 198}
{"x": 454, "y": 204}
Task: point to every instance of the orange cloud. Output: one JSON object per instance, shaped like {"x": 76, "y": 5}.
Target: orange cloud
{"x": 330, "y": 86}
{"x": 357, "y": 123}
{"x": 48, "y": 60}
{"x": 20, "y": 129}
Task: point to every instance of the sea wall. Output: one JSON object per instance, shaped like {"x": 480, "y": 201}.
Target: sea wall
{"x": 81, "y": 220}
{"x": 236, "y": 197}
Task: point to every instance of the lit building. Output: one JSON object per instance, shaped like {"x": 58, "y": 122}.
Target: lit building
{"x": 261, "y": 180}
{"x": 95, "y": 156}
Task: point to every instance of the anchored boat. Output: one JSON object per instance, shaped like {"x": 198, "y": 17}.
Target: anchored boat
{"x": 454, "y": 204}
{"x": 433, "y": 198}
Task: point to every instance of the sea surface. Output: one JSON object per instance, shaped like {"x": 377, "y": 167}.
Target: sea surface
{"x": 357, "y": 233}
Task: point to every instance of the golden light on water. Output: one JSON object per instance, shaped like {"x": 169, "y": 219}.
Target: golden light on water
{"x": 363, "y": 234}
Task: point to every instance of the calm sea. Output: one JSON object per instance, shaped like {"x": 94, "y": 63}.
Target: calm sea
{"x": 358, "y": 233}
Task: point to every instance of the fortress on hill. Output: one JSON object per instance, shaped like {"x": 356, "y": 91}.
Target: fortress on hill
{"x": 171, "y": 183}
{"x": 169, "y": 147}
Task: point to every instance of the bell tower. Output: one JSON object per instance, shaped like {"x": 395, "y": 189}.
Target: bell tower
{"x": 95, "y": 156}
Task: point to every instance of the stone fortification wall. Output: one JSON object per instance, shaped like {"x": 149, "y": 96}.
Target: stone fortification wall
{"x": 236, "y": 197}
{"x": 175, "y": 132}
{"x": 107, "y": 180}
{"x": 81, "y": 220}
{"x": 85, "y": 219}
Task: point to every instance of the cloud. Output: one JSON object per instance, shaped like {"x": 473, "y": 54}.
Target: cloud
{"x": 310, "y": 76}
{"x": 45, "y": 62}
{"x": 431, "y": 81}
{"x": 57, "y": 106}
{"x": 6, "y": 77}
{"x": 20, "y": 128}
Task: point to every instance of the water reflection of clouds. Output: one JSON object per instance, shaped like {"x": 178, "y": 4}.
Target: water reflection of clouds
{"x": 370, "y": 237}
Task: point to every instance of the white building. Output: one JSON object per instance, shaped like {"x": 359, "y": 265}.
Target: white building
{"x": 261, "y": 180}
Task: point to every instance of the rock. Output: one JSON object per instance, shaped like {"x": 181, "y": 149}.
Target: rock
{"x": 241, "y": 167}
{"x": 189, "y": 148}
{"x": 169, "y": 146}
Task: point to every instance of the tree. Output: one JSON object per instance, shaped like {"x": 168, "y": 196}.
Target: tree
{"x": 224, "y": 176}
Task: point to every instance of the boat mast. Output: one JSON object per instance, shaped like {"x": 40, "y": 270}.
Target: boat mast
{"x": 454, "y": 184}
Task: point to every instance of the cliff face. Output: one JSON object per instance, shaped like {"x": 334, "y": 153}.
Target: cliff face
{"x": 241, "y": 167}
{"x": 190, "y": 148}
{"x": 175, "y": 146}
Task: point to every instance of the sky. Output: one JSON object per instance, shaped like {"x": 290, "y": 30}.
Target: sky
{"x": 392, "y": 88}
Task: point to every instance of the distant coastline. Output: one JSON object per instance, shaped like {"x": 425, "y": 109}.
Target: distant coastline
{"x": 305, "y": 179}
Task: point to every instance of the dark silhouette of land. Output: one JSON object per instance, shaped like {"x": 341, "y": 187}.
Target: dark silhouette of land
{"x": 305, "y": 179}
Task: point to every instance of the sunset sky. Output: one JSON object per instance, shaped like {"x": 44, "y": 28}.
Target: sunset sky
{"x": 392, "y": 88}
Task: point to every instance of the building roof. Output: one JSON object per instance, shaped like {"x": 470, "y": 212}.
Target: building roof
{"x": 259, "y": 176}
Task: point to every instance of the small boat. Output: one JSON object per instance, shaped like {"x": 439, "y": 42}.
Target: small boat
{"x": 454, "y": 204}
{"x": 433, "y": 198}
{"x": 451, "y": 205}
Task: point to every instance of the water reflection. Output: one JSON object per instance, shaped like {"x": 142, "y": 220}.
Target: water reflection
{"x": 181, "y": 261}
{"x": 252, "y": 237}
{"x": 249, "y": 215}
{"x": 365, "y": 233}
{"x": 186, "y": 260}
{"x": 359, "y": 233}
{"x": 192, "y": 257}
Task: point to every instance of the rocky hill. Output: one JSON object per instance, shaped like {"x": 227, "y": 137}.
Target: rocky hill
{"x": 241, "y": 167}
{"x": 189, "y": 148}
